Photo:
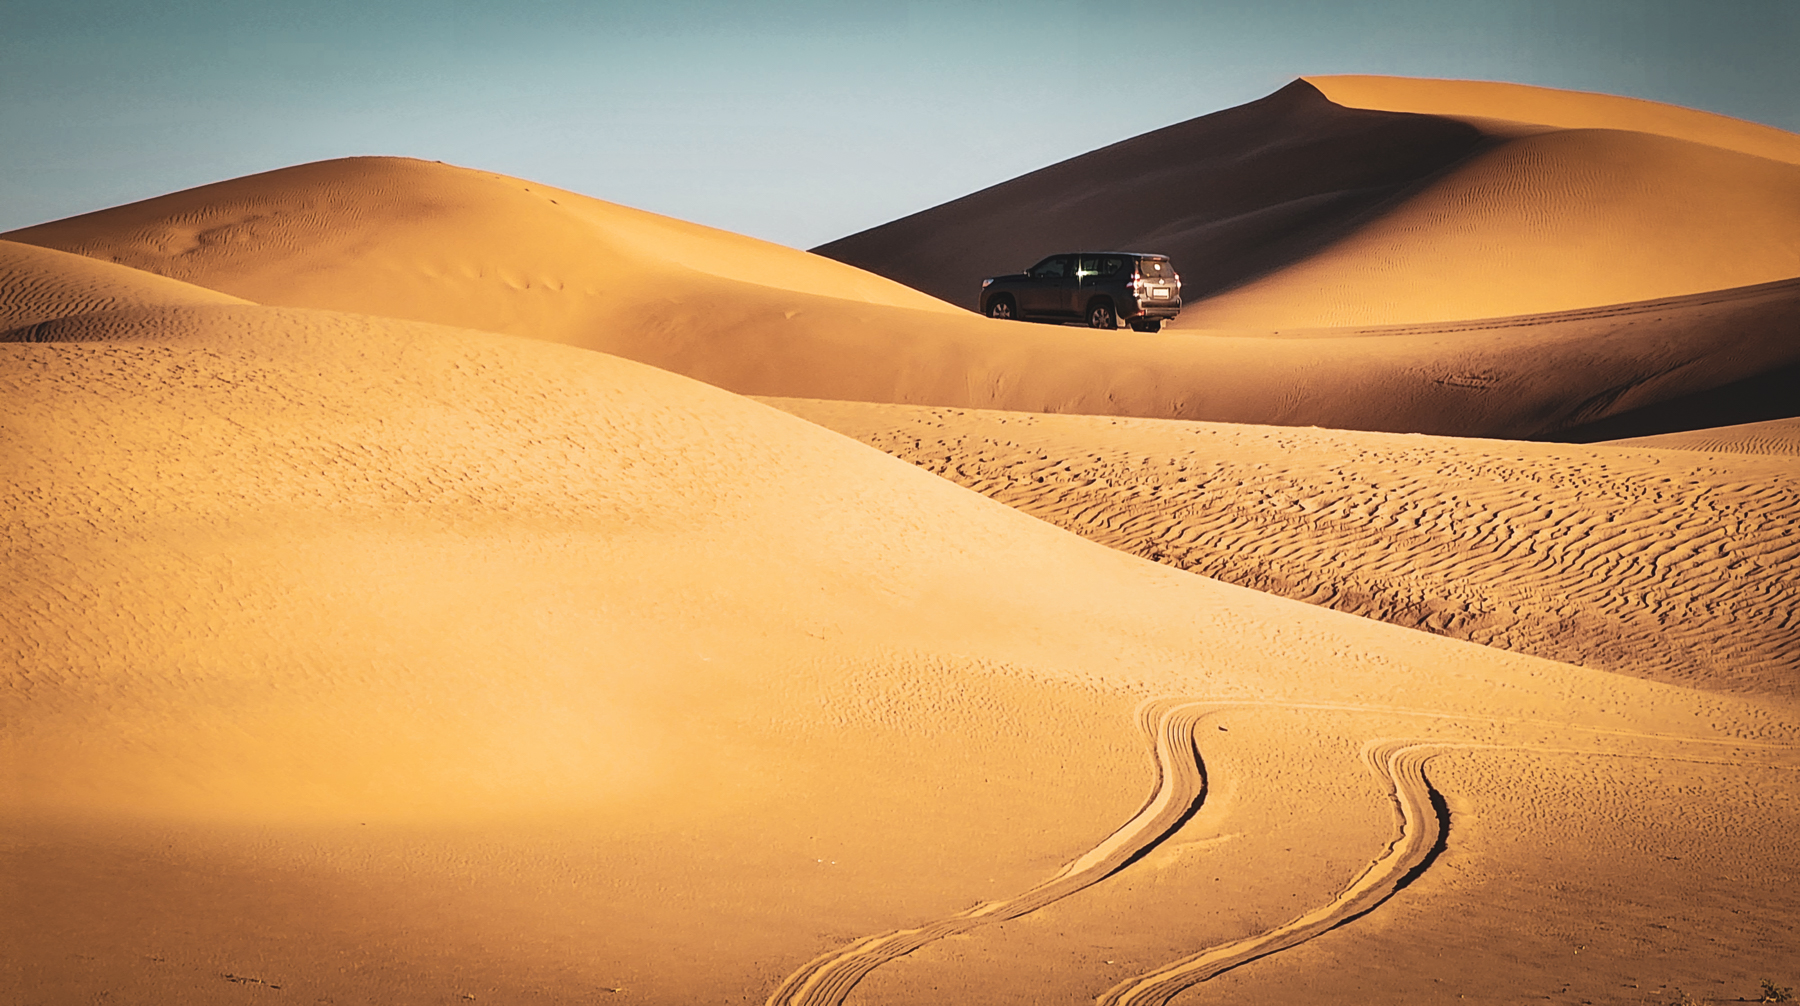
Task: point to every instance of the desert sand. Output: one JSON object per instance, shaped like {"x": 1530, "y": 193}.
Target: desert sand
{"x": 406, "y": 604}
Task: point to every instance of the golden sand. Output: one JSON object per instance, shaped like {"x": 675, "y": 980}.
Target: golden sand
{"x": 405, "y": 605}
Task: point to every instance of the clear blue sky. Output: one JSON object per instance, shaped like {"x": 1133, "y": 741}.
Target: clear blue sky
{"x": 798, "y": 122}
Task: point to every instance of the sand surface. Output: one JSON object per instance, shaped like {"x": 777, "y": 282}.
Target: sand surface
{"x": 405, "y": 605}
{"x": 1778, "y": 437}
{"x": 1499, "y": 542}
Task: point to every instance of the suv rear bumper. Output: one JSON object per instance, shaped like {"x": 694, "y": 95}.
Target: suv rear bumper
{"x": 1164, "y": 309}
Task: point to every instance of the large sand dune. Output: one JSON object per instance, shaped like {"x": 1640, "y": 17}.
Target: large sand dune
{"x": 1311, "y": 212}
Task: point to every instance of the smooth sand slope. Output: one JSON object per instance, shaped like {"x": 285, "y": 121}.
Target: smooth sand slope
{"x": 1663, "y": 565}
{"x": 442, "y": 244}
{"x": 370, "y": 660}
{"x": 1305, "y": 210}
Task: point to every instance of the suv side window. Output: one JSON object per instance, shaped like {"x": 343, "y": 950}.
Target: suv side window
{"x": 1087, "y": 265}
{"x": 1051, "y": 268}
{"x": 1111, "y": 265}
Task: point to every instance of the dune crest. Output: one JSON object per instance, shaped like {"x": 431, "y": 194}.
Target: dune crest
{"x": 1484, "y": 101}
{"x": 432, "y": 242}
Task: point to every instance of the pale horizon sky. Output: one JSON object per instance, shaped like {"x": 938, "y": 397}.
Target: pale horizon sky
{"x": 796, "y": 122}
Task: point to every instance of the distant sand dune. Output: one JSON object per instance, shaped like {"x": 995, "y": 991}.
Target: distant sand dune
{"x": 1778, "y": 436}
{"x": 1298, "y": 211}
{"x": 1548, "y": 222}
{"x": 1488, "y": 103}
{"x": 1642, "y": 562}
{"x": 1229, "y": 195}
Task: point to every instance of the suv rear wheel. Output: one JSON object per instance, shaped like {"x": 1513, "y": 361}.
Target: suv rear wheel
{"x": 1146, "y": 324}
{"x": 1100, "y": 315}
{"x": 1002, "y": 307}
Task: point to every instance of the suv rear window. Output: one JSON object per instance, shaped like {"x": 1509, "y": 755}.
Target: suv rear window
{"x": 1155, "y": 268}
{"x": 1095, "y": 265}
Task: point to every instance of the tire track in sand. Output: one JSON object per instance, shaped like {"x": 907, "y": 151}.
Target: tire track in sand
{"x": 1180, "y": 788}
{"x": 1422, "y": 827}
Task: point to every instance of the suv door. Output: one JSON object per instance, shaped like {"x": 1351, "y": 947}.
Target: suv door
{"x": 1089, "y": 275}
{"x": 1051, "y": 288}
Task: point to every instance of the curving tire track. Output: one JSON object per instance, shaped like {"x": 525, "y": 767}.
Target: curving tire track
{"x": 1421, "y": 835}
{"x": 1181, "y": 786}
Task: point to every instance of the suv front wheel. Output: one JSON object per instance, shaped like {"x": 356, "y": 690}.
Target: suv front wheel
{"x": 1002, "y": 307}
{"x": 1100, "y": 315}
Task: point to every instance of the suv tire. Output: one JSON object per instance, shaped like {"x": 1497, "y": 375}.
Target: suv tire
{"x": 1002, "y": 307}
{"x": 1100, "y": 315}
{"x": 1146, "y": 324}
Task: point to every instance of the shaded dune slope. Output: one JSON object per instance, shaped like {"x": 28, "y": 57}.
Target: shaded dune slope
{"x": 1501, "y": 106}
{"x": 1228, "y": 195}
{"x": 1666, "y": 566}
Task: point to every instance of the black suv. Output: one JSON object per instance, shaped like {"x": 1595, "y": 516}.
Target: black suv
{"x": 1100, "y": 287}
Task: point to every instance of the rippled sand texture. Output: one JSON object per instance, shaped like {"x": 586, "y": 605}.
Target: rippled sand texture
{"x": 1779, "y": 437}
{"x": 1663, "y": 565}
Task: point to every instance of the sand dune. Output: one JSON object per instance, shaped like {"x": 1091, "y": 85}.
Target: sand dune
{"x": 1660, "y": 565}
{"x": 40, "y": 284}
{"x": 1227, "y": 195}
{"x": 435, "y": 243}
{"x": 1300, "y": 212}
{"x": 486, "y": 636}
{"x": 1499, "y": 106}
{"x": 1548, "y": 222}
{"x": 1778, "y": 436}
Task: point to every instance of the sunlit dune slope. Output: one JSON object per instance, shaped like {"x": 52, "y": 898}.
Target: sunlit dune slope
{"x": 448, "y": 245}
{"x": 567, "y": 673}
{"x": 1228, "y": 195}
{"x": 1298, "y": 211}
{"x": 41, "y": 284}
{"x": 1667, "y": 566}
{"x": 1518, "y": 107}
{"x": 432, "y": 242}
{"x": 1552, "y": 221}
{"x": 1777, "y": 436}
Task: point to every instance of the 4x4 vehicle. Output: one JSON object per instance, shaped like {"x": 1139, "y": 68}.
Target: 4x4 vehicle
{"x": 1099, "y": 287}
